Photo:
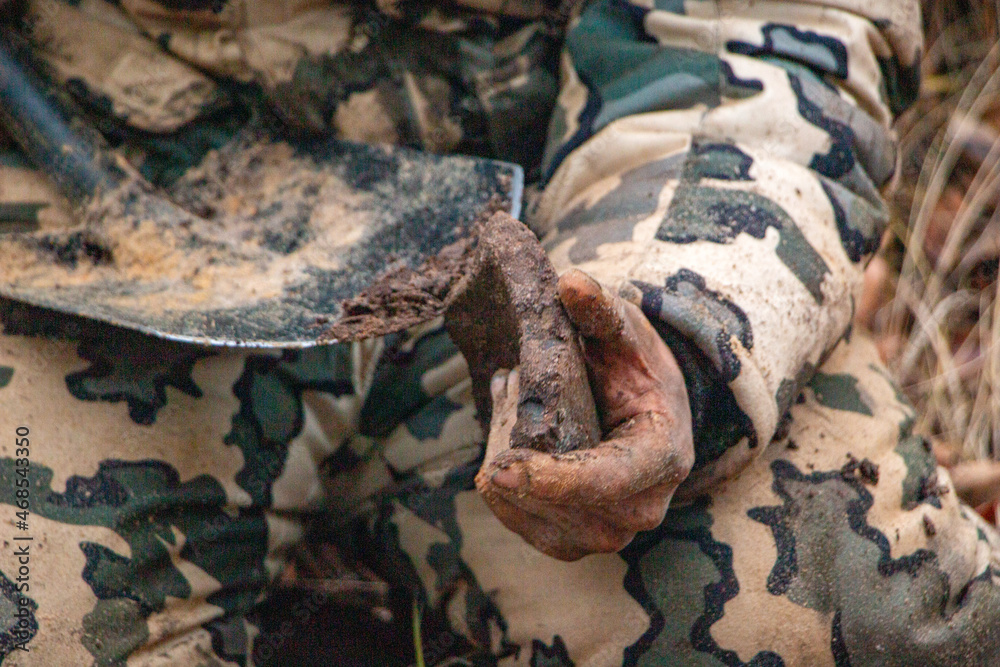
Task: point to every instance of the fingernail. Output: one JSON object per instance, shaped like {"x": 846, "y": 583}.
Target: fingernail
{"x": 512, "y": 478}
{"x": 498, "y": 384}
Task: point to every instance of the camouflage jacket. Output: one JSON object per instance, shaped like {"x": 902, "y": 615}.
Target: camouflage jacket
{"x": 720, "y": 163}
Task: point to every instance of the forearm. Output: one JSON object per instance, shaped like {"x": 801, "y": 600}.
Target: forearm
{"x": 724, "y": 170}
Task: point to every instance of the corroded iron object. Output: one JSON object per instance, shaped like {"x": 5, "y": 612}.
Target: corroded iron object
{"x": 507, "y": 313}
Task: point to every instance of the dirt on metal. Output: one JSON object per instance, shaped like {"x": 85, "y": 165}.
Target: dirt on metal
{"x": 264, "y": 242}
{"x": 247, "y": 221}
{"x": 404, "y": 297}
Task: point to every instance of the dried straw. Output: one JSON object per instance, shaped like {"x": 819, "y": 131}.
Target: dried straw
{"x": 940, "y": 329}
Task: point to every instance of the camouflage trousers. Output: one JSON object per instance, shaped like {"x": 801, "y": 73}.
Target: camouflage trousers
{"x": 166, "y": 483}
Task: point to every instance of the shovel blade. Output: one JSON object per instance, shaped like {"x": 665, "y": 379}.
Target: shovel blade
{"x": 264, "y": 243}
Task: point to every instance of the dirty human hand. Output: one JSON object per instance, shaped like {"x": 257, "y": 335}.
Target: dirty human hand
{"x": 591, "y": 501}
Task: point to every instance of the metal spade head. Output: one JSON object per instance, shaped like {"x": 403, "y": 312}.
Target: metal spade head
{"x": 261, "y": 245}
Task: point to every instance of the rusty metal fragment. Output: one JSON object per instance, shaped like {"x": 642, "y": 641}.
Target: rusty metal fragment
{"x": 507, "y": 313}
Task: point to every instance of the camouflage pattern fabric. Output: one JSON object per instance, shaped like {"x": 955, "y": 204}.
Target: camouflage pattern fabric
{"x": 433, "y": 76}
{"x": 843, "y": 544}
{"x": 168, "y": 481}
{"x": 719, "y": 163}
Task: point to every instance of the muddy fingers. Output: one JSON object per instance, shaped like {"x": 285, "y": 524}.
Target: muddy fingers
{"x": 571, "y": 504}
{"x": 631, "y": 369}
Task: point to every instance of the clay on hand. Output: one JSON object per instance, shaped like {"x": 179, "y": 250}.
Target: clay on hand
{"x": 572, "y": 504}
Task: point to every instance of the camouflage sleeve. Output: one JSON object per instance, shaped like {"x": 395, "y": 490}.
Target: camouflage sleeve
{"x": 722, "y": 163}
{"x": 443, "y": 77}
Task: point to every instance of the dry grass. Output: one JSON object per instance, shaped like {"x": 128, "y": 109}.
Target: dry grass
{"x": 939, "y": 331}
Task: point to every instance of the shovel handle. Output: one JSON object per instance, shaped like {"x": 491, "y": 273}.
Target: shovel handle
{"x": 43, "y": 127}
{"x": 509, "y": 314}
